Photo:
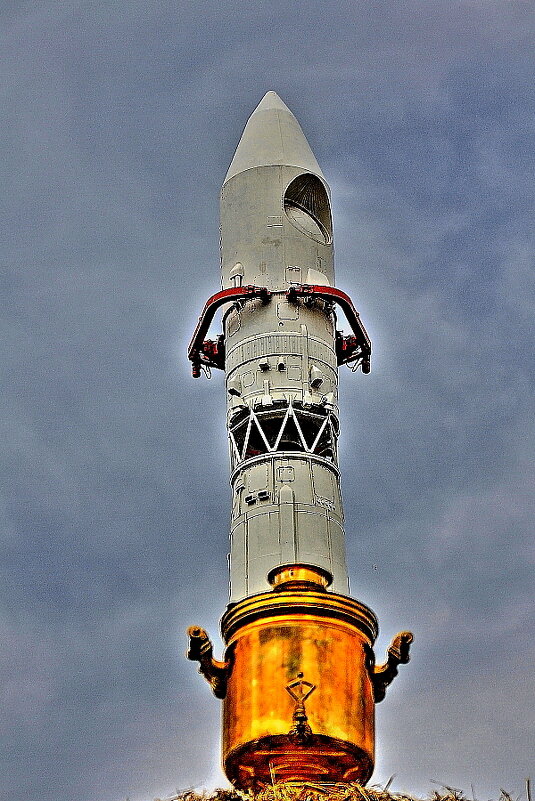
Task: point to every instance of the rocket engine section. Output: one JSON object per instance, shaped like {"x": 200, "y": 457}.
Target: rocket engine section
{"x": 298, "y": 680}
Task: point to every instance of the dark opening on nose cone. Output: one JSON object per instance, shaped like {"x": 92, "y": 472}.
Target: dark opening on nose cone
{"x": 271, "y": 137}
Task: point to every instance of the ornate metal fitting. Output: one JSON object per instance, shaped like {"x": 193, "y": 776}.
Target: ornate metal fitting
{"x": 397, "y": 654}
{"x": 300, "y": 690}
{"x": 201, "y": 650}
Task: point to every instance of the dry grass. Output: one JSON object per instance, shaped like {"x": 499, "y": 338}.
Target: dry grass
{"x": 373, "y": 793}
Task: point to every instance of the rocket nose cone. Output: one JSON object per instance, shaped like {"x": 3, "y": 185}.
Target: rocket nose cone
{"x": 272, "y": 137}
{"x": 271, "y": 101}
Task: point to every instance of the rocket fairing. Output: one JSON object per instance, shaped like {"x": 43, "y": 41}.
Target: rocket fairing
{"x": 298, "y": 681}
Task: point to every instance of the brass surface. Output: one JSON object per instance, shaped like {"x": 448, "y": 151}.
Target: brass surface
{"x": 299, "y": 576}
{"x": 272, "y": 638}
{"x": 320, "y": 604}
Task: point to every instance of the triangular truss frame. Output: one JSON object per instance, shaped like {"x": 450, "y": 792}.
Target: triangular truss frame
{"x": 254, "y": 423}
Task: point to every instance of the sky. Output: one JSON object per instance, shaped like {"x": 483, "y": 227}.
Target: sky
{"x": 119, "y": 120}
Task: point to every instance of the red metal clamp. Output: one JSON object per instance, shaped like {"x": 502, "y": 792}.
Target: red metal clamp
{"x": 209, "y": 353}
{"x": 348, "y": 348}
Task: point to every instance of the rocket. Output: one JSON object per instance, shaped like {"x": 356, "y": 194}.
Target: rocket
{"x": 298, "y": 681}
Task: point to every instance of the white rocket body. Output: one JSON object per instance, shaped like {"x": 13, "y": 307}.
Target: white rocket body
{"x": 280, "y": 358}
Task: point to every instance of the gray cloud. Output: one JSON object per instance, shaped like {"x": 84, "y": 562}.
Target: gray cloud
{"x": 119, "y": 124}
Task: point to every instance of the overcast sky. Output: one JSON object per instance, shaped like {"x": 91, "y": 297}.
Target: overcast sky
{"x": 119, "y": 120}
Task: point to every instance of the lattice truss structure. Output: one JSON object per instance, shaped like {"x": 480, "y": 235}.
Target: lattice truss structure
{"x": 287, "y": 428}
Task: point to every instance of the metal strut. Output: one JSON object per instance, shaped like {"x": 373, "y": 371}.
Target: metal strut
{"x": 347, "y": 348}
{"x": 211, "y": 353}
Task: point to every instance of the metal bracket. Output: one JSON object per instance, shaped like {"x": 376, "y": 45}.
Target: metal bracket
{"x": 212, "y": 353}
{"x": 350, "y": 348}
{"x": 201, "y": 650}
{"x": 398, "y": 654}
{"x": 354, "y": 349}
